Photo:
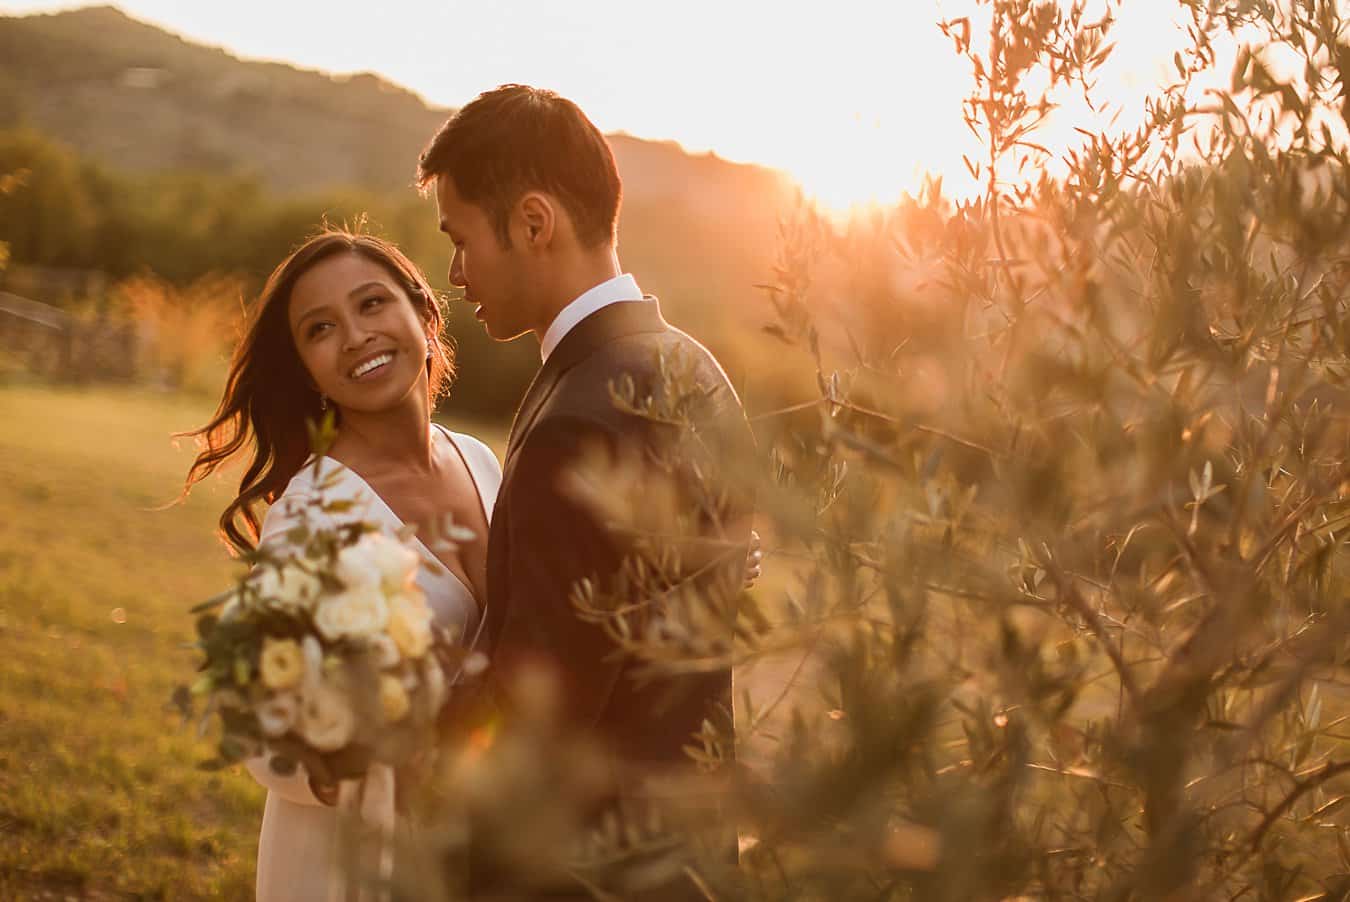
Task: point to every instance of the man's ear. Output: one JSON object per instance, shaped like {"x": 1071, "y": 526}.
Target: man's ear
{"x": 538, "y": 218}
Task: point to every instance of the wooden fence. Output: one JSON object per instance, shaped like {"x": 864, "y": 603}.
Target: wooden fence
{"x": 52, "y": 343}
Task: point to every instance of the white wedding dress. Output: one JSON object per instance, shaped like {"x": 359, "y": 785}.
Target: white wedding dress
{"x": 297, "y": 846}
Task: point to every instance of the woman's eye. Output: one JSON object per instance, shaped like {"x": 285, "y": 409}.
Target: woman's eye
{"x": 372, "y": 302}
{"x": 316, "y": 330}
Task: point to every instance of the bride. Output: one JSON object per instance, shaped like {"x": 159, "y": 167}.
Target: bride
{"x": 347, "y": 323}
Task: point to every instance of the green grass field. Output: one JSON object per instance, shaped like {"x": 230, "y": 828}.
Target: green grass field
{"x": 100, "y": 796}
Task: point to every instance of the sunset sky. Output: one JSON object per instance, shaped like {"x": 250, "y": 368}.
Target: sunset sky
{"x": 854, "y": 98}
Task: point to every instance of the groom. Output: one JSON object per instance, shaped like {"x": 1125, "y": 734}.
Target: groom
{"x": 528, "y": 194}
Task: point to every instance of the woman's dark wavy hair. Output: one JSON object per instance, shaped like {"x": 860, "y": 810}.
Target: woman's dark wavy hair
{"x": 269, "y": 395}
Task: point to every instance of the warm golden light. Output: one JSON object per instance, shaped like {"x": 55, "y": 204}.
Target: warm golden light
{"x": 886, "y": 108}
{"x": 858, "y": 100}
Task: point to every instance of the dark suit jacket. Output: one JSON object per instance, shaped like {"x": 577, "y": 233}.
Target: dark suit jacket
{"x": 543, "y": 540}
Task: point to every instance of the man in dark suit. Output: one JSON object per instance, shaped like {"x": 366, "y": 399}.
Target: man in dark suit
{"x": 528, "y": 192}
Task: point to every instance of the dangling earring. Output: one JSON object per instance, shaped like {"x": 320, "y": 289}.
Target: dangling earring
{"x": 323, "y": 401}
{"x": 428, "y": 349}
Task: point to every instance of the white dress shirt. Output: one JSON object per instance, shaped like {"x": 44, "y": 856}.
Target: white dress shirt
{"x": 612, "y": 291}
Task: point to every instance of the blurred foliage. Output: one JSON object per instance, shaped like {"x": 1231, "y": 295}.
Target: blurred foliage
{"x": 70, "y": 215}
{"x": 1061, "y": 524}
{"x": 191, "y": 161}
{"x": 9, "y": 182}
{"x": 75, "y": 214}
{"x": 183, "y": 231}
{"x": 185, "y": 335}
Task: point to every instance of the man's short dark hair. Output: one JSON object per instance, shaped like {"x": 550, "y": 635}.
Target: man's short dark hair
{"x": 515, "y": 139}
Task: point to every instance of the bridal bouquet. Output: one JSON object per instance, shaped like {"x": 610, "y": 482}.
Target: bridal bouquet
{"x": 324, "y": 653}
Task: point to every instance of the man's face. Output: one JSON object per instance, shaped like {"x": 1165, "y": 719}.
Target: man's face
{"x": 491, "y": 275}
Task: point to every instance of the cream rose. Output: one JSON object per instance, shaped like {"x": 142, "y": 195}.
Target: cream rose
{"x": 358, "y": 613}
{"x": 326, "y": 718}
{"x": 396, "y": 562}
{"x": 410, "y": 625}
{"x": 394, "y": 702}
{"x": 266, "y": 582}
{"x": 287, "y": 585}
{"x": 377, "y": 558}
{"x": 298, "y": 587}
{"x": 356, "y": 564}
{"x": 277, "y": 714}
{"x": 282, "y": 663}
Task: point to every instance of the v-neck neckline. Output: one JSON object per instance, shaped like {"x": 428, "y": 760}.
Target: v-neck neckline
{"x": 478, "y": 491}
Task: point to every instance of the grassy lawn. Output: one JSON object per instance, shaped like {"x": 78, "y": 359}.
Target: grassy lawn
{"x": 100, "y": 796}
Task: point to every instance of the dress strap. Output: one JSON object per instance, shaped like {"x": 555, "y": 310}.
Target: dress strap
{"x": 482, "y": 465}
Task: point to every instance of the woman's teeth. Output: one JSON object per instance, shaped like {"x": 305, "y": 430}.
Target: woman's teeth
{"x": 372, "y": 364}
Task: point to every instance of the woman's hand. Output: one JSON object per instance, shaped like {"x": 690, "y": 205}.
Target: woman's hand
{"x": 324, "y": 792}
{"x": 754, "y": 560}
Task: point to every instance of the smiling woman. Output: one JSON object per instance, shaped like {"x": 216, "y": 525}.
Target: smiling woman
{"x": 347, "y": 326}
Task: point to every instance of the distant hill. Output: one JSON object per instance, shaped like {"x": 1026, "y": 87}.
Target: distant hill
{"x": 138, "y": 98}
{"x": 697, "y": 230}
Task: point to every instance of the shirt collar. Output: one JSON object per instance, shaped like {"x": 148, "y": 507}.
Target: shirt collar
{"x": 612, "y": 291}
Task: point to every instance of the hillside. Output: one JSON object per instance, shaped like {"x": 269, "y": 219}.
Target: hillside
{"x": 229, "y": 163}
{"x": 138, "y": 98}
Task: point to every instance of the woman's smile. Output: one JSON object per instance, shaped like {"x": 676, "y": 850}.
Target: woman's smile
{"x": 372, "y": 367}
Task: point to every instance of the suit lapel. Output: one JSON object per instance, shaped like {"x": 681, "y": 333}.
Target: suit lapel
{"x": 596, "y": 330}
{"x": 528, "y": 404}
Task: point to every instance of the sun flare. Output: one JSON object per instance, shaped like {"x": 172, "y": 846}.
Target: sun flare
{"x": 880, "y": 109}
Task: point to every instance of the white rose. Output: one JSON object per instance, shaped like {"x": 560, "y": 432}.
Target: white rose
{"x": 266, "y": 582}
{"x": 356, "y": 564}
{"x": 410, "y": 625}
{"x": 277, "y": 714}
{"x": 298, "y": 587}
{"x": 358, "y": 613}
{"x": 287, "y": 585}
{"x": 327, "y": 721}
{"x": 396, "y": 562}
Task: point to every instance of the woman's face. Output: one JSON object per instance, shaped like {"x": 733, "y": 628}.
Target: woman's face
{"x": 358, "y": 334}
